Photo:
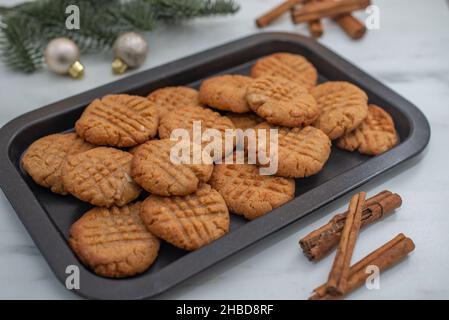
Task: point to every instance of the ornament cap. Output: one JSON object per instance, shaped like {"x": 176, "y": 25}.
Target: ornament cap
{"x": 118, "y": 66}
{"x": 76, "y": 70}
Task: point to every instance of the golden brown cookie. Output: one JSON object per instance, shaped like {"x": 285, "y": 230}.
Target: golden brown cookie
{"x": 292, "y": 67}
{"x": 154, "y": 170}
{"x": 101, "y": 176}
{"x": 226, "y": 92}
{"x": 170, "y": 98}
{"x": 187, "y": 222}
{"x": 118, "y": 120}
{"x": 282, "y": 102}
{"x": 374, "y": 136}
{"x": 114, "y": 242}
{"x": 343, "y": 107}
{"x": 134, "y": 149}
{"x": 301, "y": 152}
{"x": 248, "y": 193}
{"x": 245, "y": 120}
{"x": 44, "y": 158}
{"x": 185, "y": 117}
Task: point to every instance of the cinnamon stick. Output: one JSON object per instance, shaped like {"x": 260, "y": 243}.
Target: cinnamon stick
{"x": 316, "y": 28}
{"x": 276, "y": 12}
{"x": 384, "y": 257}
{"x": 351, "y": 26}
{"x": 318, "y": 243}
{"x": 316, "y": 10}
{"x": 339, "y": 273}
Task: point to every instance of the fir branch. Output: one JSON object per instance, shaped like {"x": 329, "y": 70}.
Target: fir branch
{"x": 219, "y": 7}
{"x": 185, "y": 9}
{"x": 26, "y": 28}
{"x": 17, "y": 46}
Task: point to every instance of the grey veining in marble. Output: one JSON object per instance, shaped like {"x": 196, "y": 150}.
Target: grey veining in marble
{"x": 409, "y": 53}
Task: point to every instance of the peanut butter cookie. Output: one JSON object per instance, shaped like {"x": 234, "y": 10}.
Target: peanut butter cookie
{"x": 374, "y": 136}
{"x": 301, "y": 152}
{"x": 292, "y": 67}
{"x": 227, "y": 92}
{"x": 118, "y": 120}
{"x": 187, "y": 222}
{"x": 244, "y": 120}
{"x": 184, "y": 118}
{"x": 44, "y": 158}
{"x": 134, "y": 149}
{"x": 154, "y": 170}
{"x": 170, "y": 98}
{"x": 343, "y": 107}
{"x": 248, "y": 193}
{"x": 282, "y": 102}
{"x": 101, "y": 176}
{"x": 114, "y": 242}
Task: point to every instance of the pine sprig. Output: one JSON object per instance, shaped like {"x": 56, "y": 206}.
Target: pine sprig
{"x": 19, "y": 50}
{"x": 182, "y": 9}
{"x": 25, "y": 29}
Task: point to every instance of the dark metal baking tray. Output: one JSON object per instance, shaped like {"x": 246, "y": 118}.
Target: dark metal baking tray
{"x": 47, "y": 216}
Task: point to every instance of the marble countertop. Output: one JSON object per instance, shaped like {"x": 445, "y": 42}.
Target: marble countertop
{"x": 409, "y": 53}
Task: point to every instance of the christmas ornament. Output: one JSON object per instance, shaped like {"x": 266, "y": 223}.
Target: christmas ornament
{"x": 62, "y": 57}
{"x": 130, "y": 50}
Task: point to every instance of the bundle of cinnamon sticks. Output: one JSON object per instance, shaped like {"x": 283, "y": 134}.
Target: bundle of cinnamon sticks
{"x": 313, "y": 11}
{"x": 342, "y": 231}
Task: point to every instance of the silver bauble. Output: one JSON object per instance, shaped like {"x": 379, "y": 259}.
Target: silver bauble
{"x": 61, "y": 55}
{"x": 131, "y": 48}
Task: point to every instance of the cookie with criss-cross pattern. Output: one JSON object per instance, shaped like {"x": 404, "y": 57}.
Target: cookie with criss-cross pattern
{"x": 157, "y": 167}
{"x": 374, "y": 136}
{"x": 118, "y": 120}
{"x": 292, "y": 67}
{"x": 187, "y": 222}
{"x": 282, "y": 102}
{"x": 184, "y": 118}
{"x": 245, "y": 121}
{"x": 114, "y": 242}
{"x": 248, "y": 193}
{"x": 226, "y": 92}
{"x": 100, "y": 176}
{"x": 343, "y": 107}
{"x": 170, "y": 98}
{"x": 300, "y": 152}
{"x": 44, "y": 158}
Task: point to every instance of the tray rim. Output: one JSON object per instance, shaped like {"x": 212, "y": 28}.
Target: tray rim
{"x": 39, "y": 223}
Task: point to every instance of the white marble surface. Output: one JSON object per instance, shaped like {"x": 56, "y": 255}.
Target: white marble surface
{"x": 409, "y": 53}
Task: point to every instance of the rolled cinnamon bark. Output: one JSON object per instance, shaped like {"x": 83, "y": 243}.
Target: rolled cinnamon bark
{"x": 384, "y": 257}
{"x": 316, "y": 10}
{"x": 276, "y": 12}
{"x": 351, "y": 26}
{"x": 339, "y": 274}
{"x": 320, "y": 242}
{"x": 316, "y": 28}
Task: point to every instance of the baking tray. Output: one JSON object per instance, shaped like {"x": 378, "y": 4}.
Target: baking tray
{"x": 48, "y": 216}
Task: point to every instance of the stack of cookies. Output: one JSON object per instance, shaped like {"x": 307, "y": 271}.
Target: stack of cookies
{"x": 119, "y": 158}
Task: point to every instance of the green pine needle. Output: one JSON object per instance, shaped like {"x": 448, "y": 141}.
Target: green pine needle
{"x": 25, "y": 29}
{"x": 185, "y": 9}
{"x": 19, "y": 50}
